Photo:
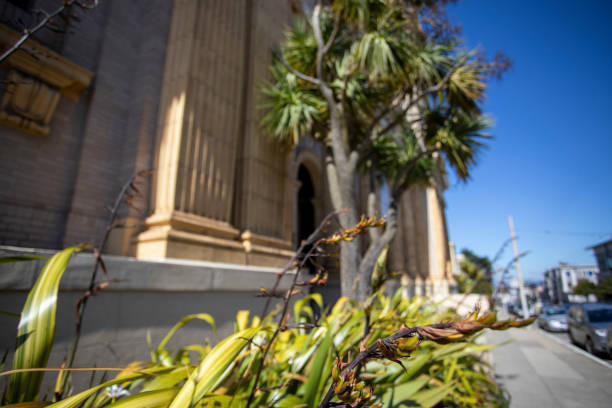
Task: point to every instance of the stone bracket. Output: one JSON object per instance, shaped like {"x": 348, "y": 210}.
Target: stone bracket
{"x": 37, "y": 77}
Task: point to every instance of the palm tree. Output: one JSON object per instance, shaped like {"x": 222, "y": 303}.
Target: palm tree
{"x": 387, "y": 88}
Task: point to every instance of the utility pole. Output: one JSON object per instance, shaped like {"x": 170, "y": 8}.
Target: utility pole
{"x": 518, "y": 269}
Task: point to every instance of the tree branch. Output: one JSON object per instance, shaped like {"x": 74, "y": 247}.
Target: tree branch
{"x": 298, "y": 74}
{"x": 332, "y": 37}
{"x": 28, "y": 32}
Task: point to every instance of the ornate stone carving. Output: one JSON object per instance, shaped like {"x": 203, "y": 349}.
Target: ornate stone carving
{"x": 28, "y": 104}
{"x": 36, "y": 79}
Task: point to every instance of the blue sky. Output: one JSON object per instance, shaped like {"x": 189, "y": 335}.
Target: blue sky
{"x": 550, "y": 164}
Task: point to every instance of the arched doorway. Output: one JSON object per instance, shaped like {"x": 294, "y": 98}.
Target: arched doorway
{"x": 305, "y": 206}
{"x": 306, "y": 221}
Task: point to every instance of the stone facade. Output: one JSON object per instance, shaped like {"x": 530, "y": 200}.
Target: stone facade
{"x": 172, "y": 86}
{"x": 420, "y": 252}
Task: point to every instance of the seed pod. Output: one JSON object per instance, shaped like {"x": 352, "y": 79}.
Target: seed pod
{"x": 455, "y": 337}
{"x": 359, "y": 386}
{"x": 340, "y": 387}
{"x": 336, "y": 370}
{"x": 487, "y": 318}
{"x": 467, "y": 327}
{"x": 345, "y": 396}
{"x": 407, "y": 345}
{"x": 503, "y": 325}
{"x": 437, "y": 335}
{"x": 522, "y": 323}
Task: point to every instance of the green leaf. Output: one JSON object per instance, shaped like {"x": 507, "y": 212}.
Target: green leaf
{"x": 406, "y": 390}
{"x": 148, "y": 399}
{"x": 20, "y": 258}
{"x": 316, "y": 379}
{"x": 242, "y": 320}
{"x": 36, "y": 328}
{"x": 220, "y": 401}
{"x": 291, "y": 401}
{"x": 430, "y": 397}
{"x": 4, "y": 312}
{"x": 166, "y": 381}
{"x": 416, "y": 364}
{"x": 212, "y": 368}
{"x": 451, "y": 370}
{"x": 301, "y": 305}
{"x": 77, "y": 399}
{"x": 201, "y": 316}
{"x": 449, "y": 349}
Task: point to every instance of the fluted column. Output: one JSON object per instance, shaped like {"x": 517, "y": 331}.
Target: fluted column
{"x": 200, "y": 112}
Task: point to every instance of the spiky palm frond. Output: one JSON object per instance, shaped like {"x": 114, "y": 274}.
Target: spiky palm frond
{"x": 293, "y": 107}
{"x": 300, "y": 47}
{"x": 427, "y": 62}
{"x": 396, "y": 157}
{"x": 386, "y": 45}
{"x": 358, "y": 12}
{"x": 466, "y": 88}
{"x": 459, "y": 136}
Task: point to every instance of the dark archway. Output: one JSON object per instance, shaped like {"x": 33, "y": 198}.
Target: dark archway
{"x": 305, "y": 206}
{"x": 306, "y": 221}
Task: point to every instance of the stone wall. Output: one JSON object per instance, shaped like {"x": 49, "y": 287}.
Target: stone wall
{"x": 55, "y": 187}
{"x": 149, "y": 297}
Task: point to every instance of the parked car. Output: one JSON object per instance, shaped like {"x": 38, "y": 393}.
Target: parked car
{"x": 609, "y": 341}
{"x": 553, "y": 318}
{"x": 588, "y": 326}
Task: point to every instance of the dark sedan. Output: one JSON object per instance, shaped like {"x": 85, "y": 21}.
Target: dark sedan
{"x": 588, "y": 325}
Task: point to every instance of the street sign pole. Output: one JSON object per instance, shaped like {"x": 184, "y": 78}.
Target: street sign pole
{"x": 518, "y": 269}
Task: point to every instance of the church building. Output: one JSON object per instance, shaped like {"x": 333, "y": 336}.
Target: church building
{"x": 172, "y": 87}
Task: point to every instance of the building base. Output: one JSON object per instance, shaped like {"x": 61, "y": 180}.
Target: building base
{"x": 188, "y": 236}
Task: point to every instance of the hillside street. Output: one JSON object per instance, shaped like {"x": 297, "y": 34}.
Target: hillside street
{"x": 540, "y": 372}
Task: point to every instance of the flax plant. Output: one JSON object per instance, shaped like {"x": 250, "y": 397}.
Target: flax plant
{"x": 387, "y": 351}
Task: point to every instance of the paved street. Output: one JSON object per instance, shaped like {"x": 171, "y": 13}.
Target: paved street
{"x": 540, "y": 372}
{"x": 564, "y": 338}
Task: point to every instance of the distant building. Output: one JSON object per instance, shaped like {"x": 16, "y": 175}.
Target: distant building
{"x": 561, "y": 280}
{"x": 603, "y": 255}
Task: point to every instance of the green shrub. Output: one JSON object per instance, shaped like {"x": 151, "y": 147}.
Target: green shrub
{"x": 390, "y": 351}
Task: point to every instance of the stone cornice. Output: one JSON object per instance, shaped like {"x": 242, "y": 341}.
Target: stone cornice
{"x": 38, "y": 61}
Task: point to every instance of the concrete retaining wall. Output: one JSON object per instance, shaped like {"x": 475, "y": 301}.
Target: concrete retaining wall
{"x": 149, "y": 297}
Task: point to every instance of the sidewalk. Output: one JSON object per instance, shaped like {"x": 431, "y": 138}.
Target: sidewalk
{"x": 539, "y": 372}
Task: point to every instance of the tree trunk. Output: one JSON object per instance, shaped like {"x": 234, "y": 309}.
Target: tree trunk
{"x": 368, "y": 261}
{"x": 343, "y": 198}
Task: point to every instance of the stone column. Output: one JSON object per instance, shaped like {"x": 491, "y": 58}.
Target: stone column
{"x": 198, "y": 131}
{"x": 205, "y": 196}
